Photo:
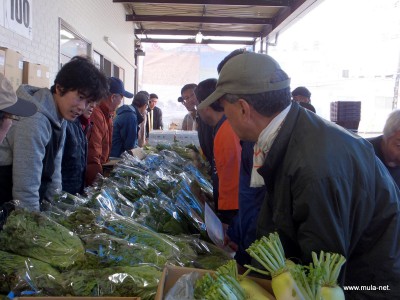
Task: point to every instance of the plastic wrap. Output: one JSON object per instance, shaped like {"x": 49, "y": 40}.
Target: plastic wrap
{"x": 183, "y": 289}
{"x": 104, "y": 250}
{"x": 200, "y": 254}
{"x": 27, "y": 276}
{"x": 134, "y": 232}
{"x": 138, "y": 281}
{"x": 33, "y": 234}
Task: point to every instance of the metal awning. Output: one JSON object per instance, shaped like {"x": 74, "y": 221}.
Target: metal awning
{"x": 218, "y": 21}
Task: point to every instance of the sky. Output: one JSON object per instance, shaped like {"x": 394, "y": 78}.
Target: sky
{"x": 360, "y": 37}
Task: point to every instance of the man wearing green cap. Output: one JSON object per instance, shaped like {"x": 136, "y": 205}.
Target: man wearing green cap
{"x": 326, "y": 190}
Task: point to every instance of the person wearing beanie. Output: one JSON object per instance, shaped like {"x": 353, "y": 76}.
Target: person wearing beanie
{"x": 301, "y": 94}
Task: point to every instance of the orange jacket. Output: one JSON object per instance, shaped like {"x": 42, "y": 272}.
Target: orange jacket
{"x": 99, "y": 143}
{"x": 227, "y": 154}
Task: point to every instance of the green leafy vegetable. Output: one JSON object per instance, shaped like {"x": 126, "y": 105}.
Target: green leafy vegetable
{"x": 35, "y": 235}
{"x": 103, "y": 250}
{"x": 140, "y": 281}
{"x": 20, "y": 274}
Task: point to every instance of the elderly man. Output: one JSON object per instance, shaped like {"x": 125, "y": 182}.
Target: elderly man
{"x": 326, "y": 190}
{"x": 99, "y": 146}
{"x": 387, "y": 145}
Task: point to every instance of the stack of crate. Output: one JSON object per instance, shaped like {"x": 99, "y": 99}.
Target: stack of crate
{"x": 346, "y": 114}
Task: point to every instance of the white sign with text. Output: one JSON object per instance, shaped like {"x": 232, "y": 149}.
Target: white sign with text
{"x": 18, "y": 17}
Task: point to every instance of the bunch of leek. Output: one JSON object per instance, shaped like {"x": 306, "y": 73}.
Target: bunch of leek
{"x": 318, "y": 281}
{"x": 226, "y": 283}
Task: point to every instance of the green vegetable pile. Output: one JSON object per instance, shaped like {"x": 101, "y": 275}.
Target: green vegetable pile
{"x": 115, "y": 240}
{"x": 104, "y": 250}
{"x": 14, "y": 269}
{"x": 33, "y": 234}
{"x": 140, "y": 281}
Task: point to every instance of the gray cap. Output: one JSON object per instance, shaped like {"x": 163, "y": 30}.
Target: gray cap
{"x": 247, "y": 73}
{"x": 10, "y": 103}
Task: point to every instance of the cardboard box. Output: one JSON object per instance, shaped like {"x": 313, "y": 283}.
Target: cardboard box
{"x": 35, "y": 75}
{"x": 13, "y": 66}
{"x": 172, "y": 273}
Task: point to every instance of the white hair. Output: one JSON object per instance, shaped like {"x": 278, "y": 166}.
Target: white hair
{"x": 392, "y": 124}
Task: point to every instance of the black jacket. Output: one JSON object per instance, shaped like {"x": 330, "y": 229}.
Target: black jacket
{"x": 157, "y": 120}
{"x": 394, "y": 171}
{"x": 326, "y": 190}
{"x": 73, "y": 166}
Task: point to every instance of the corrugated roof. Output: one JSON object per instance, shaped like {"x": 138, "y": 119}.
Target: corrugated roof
{"x": 166, "y": 21}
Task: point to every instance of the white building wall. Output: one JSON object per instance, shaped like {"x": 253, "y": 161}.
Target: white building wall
{"x": 93, "y": 19}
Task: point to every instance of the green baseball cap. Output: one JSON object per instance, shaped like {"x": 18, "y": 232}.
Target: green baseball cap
{"x": 247, "y": 73}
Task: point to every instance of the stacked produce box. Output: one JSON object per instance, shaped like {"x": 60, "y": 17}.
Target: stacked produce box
{"x": 346, "y": 114}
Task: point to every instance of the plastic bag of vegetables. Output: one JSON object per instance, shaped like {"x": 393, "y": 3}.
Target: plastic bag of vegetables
{"x": 104, "y": 250}
{"x": 138, "y": 281}
{"x": 160, "y": 214}
{"x": 33, "y": 234}
{"x": 134, "y": 232}
{"x": 25, "y": 275}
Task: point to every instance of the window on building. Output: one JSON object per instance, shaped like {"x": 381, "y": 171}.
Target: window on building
{"x": 72, "y": 43}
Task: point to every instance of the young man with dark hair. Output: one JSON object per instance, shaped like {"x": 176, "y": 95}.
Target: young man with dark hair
{"x": 193, "y": 122}
{"x": 30, "y": 156}
{"x": 226, "y": 159}
{"x": 326, "y": 189}
{"x": 126, "y": 125}
{"x": 154, "y": 115}
{"x": 74, "y": 161}
{"x": 190, "y": 102}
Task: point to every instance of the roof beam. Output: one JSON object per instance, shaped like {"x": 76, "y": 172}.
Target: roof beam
{"x": 289, "y": 14}
{"x": 197, "y": 19}
{"x": 276, "y": 3}
{"x": 192, "y": 41}
{"x": 253, "y": 34}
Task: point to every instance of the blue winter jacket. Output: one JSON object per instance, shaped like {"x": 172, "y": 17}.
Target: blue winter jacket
{"x": 243, "y": 229}
{"x": 125, "y": 130}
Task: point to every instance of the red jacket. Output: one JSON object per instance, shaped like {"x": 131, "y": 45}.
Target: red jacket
{"x": 99, "y": 145}
{"x": 227, "y": 156}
